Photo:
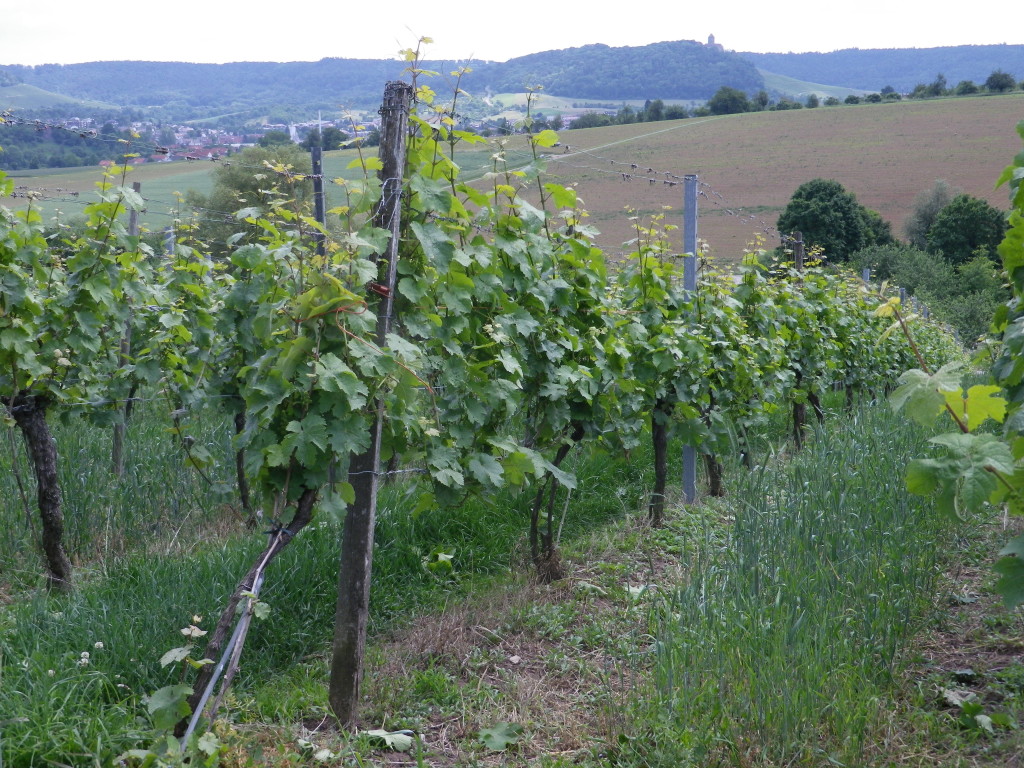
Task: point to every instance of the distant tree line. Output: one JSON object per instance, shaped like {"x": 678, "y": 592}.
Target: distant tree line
{"x": 997, "y": 82}
{"x": 26, "y": 147}
{"x": 903, "y": 68}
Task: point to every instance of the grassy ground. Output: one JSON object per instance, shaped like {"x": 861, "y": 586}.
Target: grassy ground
{"x": 814, "y": 616}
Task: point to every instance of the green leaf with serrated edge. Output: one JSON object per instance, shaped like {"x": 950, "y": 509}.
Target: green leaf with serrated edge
{"x": 562, "y": 197}
{"x": 516, "y": 467}
{"x": 436, "y": 244}
{"x": 976, "y": 405}
{"x": 922, "y": 477}
{"x": 921, "y": 394}
{"x": 168, "y": 705}
{"x": 175, "y": 655}
{"x": 546, "y": 138}
{"x": 400, "y": 741}
{"x": 426, "y": 501}
{"x": 501, "y": 736}
{"x": 487, "y": 470}
{"x": 208, "y": 743}
{"x": 976, "y": 458}
{"x": 345, "y": 492}
{"x": 1014, "y": 548}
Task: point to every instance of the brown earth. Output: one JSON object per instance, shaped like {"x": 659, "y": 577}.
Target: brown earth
{"x": 749, "y": 165}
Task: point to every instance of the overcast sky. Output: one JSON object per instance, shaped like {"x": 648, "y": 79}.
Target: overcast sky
{"x": 66, "y": 31}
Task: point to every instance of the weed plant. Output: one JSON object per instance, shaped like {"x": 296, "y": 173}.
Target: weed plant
{"x": 778, "y": 649}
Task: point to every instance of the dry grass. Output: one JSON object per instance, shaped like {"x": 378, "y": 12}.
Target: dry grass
{"x": 563, "y": 659}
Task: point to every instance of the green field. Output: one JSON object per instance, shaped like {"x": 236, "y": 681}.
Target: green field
{"x": 22, "y": 96}
{"x": 800, "y": 89}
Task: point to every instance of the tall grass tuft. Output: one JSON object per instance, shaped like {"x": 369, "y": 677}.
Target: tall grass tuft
{"x": 159, "y": 501}
{"x": 779, "y": 647}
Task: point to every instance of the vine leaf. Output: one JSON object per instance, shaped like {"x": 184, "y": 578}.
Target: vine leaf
{"x": 500, "y": 736}
{"x": 966, "y": 477}
{"x": 168, "y": 705}
{"x": 923, "y": 395}
{"x": 976, "y": 405}
{"x": 400, "y": 741}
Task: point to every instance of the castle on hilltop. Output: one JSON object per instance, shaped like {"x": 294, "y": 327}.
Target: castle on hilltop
{"x": 713, "y": 45}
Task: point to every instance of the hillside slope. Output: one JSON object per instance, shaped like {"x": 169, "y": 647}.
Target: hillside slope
{"x": 902, "y": 68}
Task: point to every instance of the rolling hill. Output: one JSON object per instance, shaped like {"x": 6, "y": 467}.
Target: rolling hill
{"x": 748, "y": 165}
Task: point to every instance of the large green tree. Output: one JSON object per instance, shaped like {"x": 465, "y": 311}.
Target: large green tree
{"x": 830, "y": 218}
{"x": 966, "y": 227}
{"x": 258, "y": 177}
{"x": 1000, "y": 82}
{"x": 927, "y": 205}
{"x": 728, "y": 101}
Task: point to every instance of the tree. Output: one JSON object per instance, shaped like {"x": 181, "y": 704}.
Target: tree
{"x": 626, "y": 115}
{"x": 813, "y": 101}
{"x": 852, "y": 99}
{"x": 654, "y": 110}
{"x": 331, "y": 138}
{"x": 965, "y": 88}
{"x": 728, "y": 101}
{"x": 829, "y": 217}
{"x": 936, "y": 87}
{"x": 249, "y": 182}
{"x": 873, "y": 98}
{"x": 762, "y": 100}
{"x": 274, "y": 139}
{"x": 965, "y": 228}
{"x": 880, "y": 230}
{"x": 927, "y": 205}
{"x": 1000, "y": 82}
{"x": 591, "y": 120}
{"x": 676, "y": 112}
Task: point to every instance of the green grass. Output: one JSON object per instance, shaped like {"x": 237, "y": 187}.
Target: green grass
{"x": 774, "y": 627}
{"x": 61, "y": 710}
{"x": 23, "y": 96}
{"x": 784, "y": 640}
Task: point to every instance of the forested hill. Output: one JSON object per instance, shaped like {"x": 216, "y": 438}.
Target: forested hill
{"x": 902, "y": 68}
{"x": 682, "y": 69}
{"x": 672, "y": 70}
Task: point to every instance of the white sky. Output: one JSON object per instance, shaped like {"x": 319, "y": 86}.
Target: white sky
{"x": 70, "y": 31}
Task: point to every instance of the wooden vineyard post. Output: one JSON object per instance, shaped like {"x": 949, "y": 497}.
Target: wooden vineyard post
{"x": 690, "y": 285}
{"x": 357, "y": 540}
{"x": 319, "y": 206}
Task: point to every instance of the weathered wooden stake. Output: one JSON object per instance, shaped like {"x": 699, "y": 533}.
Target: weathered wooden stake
{"x": 357, "y": 540}
{"x": 319, "y": 206}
